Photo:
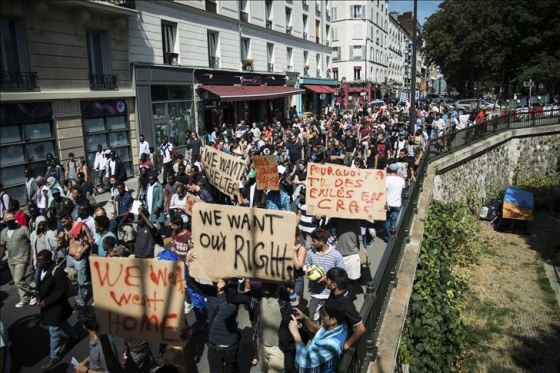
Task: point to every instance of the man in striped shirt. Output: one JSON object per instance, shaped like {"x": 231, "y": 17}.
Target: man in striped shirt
{"x": 306, "y": 223}
{"x": 326, "y": 257}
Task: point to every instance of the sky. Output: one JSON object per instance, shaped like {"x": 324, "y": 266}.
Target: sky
{"x": 425, "y": 7}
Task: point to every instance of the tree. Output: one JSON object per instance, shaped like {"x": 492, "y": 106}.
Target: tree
{"x": 501, "y": 43}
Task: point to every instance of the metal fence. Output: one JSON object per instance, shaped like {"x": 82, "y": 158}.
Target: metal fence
{"x": 378, "y": 291}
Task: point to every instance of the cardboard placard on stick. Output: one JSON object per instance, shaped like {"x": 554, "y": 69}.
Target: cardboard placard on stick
{"x": 344, "y": 192}
{"x": 231, "y": 242}
{"x": 139, "y": 298}
{"x": 266, "y": 169}
{"x": 223, "y": 170}
{"x": 191, "y": 201}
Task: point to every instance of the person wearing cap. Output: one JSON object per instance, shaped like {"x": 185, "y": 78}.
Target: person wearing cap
{"x": 400, "y": 143}
{"x": 394, "y": 186}
{"x": 54, "y": 170}
{"x": 56, "y": 205}
{"x": 15, "y": 241}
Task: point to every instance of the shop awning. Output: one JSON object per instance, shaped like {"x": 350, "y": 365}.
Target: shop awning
{"x": 320, "y": 88}
{"x": 251, "y": 93}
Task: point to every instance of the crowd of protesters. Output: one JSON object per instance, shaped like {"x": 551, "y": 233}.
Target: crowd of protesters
{"x": 63, "y": 226}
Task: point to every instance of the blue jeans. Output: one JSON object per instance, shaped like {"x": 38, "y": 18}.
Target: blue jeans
{"x": 83, "y": 282}
{"x": 392, "y": 218}
{"x": 54, "y": 332}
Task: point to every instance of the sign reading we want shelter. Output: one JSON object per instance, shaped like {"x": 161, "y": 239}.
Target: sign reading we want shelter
{"x": 223, "y": 170}
{"x": 242, "y": 242}
{"x": 139, "y": 298}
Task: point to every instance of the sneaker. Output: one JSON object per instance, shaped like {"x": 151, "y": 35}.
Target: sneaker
{"x": 20, "y": 304}
{"x": 51, "y": 363}
{"x": 188, "y": 308}
{"x": 33, "y": 301}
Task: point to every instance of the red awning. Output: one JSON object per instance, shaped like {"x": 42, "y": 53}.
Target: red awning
{"x": 320, "y": 88}
{"x": 251, "y": 93}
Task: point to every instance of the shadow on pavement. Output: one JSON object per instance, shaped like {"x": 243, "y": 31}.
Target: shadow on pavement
{"x": 30, "y": 342}
{"x": 538, "y": 354}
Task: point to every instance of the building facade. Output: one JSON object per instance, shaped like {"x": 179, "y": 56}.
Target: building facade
{"x": 65, "y": 85}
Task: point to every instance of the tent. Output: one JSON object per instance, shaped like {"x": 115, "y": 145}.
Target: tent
{"x": 518, "y": 204}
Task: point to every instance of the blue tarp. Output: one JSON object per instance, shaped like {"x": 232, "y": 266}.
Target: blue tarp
{"x": 519, "y": 197}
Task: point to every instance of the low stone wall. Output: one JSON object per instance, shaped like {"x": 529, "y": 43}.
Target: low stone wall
{"x": 536, "y": 149}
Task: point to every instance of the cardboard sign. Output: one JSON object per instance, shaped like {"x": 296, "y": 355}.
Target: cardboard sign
{"x": 223, "y": 170}
{"x": 344, "y": 192}
{"x": 191, "y": 201}
{"x": 139, "y": 298}
{"x": 267, "y": 172}
{"x": 231, "y": 242}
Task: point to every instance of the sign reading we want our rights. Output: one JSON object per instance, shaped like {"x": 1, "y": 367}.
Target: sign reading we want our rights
{"x": 223, "y": 170}
{"x": 344, "y": 192}
{"x": 242, "y": 242}
{"x": 139, "y": 298}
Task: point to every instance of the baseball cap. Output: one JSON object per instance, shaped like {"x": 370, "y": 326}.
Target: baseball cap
{"x": 8, "y": 217}
{"x": 393, "y": 167}
{"x": 252, "y": 174}
{"x": 55, "y": 191}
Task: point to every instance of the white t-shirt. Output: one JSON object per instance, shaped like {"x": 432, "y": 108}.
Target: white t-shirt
{"x": 394, "y": 185}
{"x": 143, "y": 147}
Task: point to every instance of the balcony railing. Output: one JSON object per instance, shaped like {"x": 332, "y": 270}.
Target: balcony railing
{"x": 244, "y": 17}
{"x": 318, "y": 7}
{"x": 18, "y": 81}
{"x": 270, "y": 67}
{"x": 103, "y": 82}
{"x": 289, "y": 30}
{"x": 327, "y": 43}
{"x": 317, "y": 39}
{"x": 290, "y": 68}
{"x": 318, "y": 72}
{"x": 247, "y": 67}
{"x": 269, "y": 24}
{"x": 214, "y": 62}
{"x": 130, "y": 4}
{"x": 305, "y": 5}
{"x": 305, "y": 35}
{"x": 211, "y": 7}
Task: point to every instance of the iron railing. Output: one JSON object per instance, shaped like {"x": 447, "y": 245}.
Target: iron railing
{"x": 211, "y": 7}
{"x": 214, "y": 62}
{"x": 270, "y": 67}
{"x": 378, "y": 293}
{"x": 18, "y": 81}
{"x": 103, "y": 82}
{"x": 244, "y": 17}
{"x": 130, "y": 4}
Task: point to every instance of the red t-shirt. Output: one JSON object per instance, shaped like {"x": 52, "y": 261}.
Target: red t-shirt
{"x": 21, "y": 218}
{"x": 181, "y": 242}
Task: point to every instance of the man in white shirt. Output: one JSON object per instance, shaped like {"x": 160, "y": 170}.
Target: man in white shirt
{"x": 166, "y": 151}
{"x": 99, "y": 165}
{"x": 143, "y": 146}
{"x": 394, "y": 187}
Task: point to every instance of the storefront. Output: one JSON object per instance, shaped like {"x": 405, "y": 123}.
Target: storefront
{"x": 165, "y": 103}
{"x": 229, "y": 98}
{"x": 318, "y": 94}
{"x": 27, "y": 136}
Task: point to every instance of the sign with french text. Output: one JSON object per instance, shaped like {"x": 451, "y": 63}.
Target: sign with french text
{"x": 139, "y": 298}
{"x": 242, "y": 242}
{"x": 344, "y": 192}
{"x": 223, "y": 170}
{"x": 266, "y": 169}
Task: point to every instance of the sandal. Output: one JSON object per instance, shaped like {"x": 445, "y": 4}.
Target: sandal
{"x": 255, "y": 361}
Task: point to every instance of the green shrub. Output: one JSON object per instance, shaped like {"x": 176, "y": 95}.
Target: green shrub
{"x": 434, "y": 336}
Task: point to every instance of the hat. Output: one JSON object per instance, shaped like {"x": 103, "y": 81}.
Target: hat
{"x": 402, "y": 133}
{"x": 8, "y": 216}
{"x": 51, "y": 180}
{"x": 108, "y": 151}
{"x": 393, "y": 167}
{"x": 55, "y": 191}
{"x": 252, "y": 174}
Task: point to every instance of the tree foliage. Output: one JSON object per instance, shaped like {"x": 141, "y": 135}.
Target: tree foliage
{"x": 500, "y": 43}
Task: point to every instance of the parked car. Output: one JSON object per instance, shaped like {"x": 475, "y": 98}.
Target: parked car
{"x": 379, "y": 104}
{"x": 466, "y": 105}
{"x": 391, "y": 100}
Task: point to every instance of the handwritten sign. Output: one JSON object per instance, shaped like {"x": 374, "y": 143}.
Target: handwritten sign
{"x": 223, "y": 170}
{"x": 191, "y": 201}
{"x": 242, "y": 242}
{"x": 267, "y": 172}
{"x": 139, "y": 298}
{"x": 345, "y": 192}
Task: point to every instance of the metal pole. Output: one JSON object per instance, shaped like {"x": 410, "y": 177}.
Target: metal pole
{"x": 413, "y": 72}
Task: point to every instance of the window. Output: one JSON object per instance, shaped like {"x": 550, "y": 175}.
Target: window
{"x": 268, "y": 10}
{"x": 334, "y": 33}
{"x": 356, "y": 52}
{"x": 288, "y": 17}
{"x": 335, "y": 73}
{"x": 305, "y": 23}
{"x": 169, "y": 39}
{"x": 317, "y": 31}
{"x": 306, "y": 59}
{"x": 357, "y": 31}
{"x": 99, "y": 58}
{"x": 357, "y": 72}
{"x": 245, "y": 48}
{"x": 290, "y": 58}
{"x": 14, "y": 46}
{"x": 270, "y": 56}
{"x": 333, "y": 13}
{"x": 173, "y": 112}
{"x": 336, "y": 54}
{"x": 213, "y": 57}
{"x": 356, "y": 11}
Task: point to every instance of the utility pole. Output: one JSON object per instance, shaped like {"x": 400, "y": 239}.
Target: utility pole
{"x": 413, "y": 72}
